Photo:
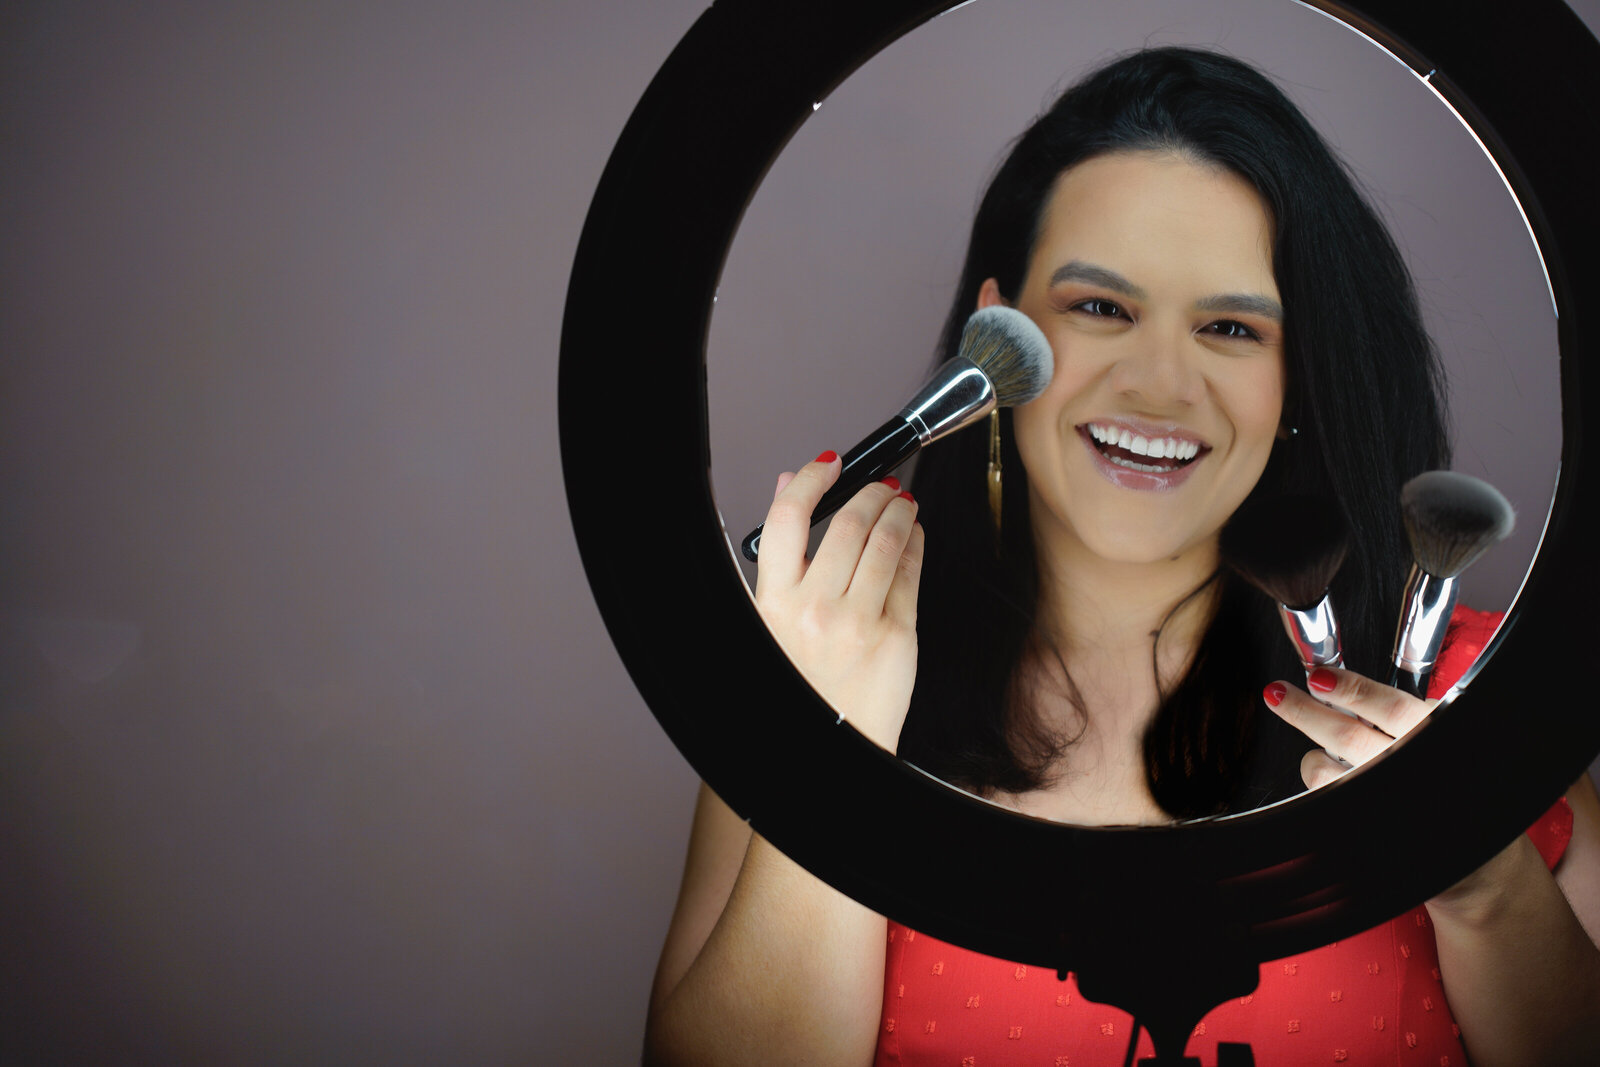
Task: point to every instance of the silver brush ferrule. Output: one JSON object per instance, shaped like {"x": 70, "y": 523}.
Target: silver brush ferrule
{"x": 1314, "y": 632}
{"x": 1429, "y": 602}
{"x": 957, "y": 395}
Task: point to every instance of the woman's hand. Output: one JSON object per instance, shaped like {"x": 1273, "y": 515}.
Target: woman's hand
{"x": 848, "y": 617}
{"x": 1377, "y": 714}
{"x": 1521, "y": 975}
{"x": 1372, "y": 717}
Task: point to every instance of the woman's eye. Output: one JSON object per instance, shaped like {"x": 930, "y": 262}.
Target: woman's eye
{"x": 1102, "y": 309}
{"x": 1229, "y": 328}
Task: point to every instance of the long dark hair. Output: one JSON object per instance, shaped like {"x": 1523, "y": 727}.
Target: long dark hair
{"x": 1363, "y": 388}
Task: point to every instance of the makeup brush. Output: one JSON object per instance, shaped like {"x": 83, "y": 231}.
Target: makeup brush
{"x": 1451, "y": 519}
{"x": 1004, "y": 360}
{"x": 1290, "y": 547}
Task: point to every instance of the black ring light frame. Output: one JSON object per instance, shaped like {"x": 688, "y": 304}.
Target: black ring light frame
{"x": 1164, "y": 919}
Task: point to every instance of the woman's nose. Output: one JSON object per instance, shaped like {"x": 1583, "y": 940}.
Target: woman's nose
{"x": 1161, "y": 369}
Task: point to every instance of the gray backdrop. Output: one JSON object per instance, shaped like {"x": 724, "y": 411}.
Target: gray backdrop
{"x": 312, "y": 745}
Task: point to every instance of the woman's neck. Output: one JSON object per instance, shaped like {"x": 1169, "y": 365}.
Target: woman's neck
{"x": 1090, "y": 607}
{"x": 1098, "y": 622}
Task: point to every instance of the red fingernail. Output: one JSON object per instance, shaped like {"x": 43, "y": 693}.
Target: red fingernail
{"x": 892, "y": 482}
{"x": 1274, "y": 694}
{"x": 907, "y": 496}
{"x": 1322, "y": 680}
{"x": 827, "y": 457}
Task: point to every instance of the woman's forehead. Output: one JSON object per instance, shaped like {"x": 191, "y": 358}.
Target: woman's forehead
{"x": 1148, "y": 215}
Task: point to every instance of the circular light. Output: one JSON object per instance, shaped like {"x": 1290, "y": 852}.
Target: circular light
{"x": 1206, "y": 901}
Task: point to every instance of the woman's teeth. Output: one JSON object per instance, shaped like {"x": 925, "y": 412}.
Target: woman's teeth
{"x": 1157, "y": 448}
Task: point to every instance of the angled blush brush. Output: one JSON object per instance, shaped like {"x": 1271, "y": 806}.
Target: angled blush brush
{"x": 1290, "y": 547}
{"x": 1451, "y": 519}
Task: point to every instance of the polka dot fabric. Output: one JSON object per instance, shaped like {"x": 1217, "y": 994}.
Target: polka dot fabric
{"x": 1375, "y": 998}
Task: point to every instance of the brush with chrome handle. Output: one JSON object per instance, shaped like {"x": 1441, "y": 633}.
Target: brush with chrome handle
{"x": 1451, "y": 520}
{"x": 1290, "y": 547}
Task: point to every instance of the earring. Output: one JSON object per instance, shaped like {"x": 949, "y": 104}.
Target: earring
{"x": 994, "y": 471}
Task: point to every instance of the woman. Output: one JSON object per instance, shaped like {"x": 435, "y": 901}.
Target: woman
{"x": 1230, "y": 321}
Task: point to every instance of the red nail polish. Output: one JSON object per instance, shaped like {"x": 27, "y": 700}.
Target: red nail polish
{"x": 827, "y": 457}
{"x": 892, "y": 482}
{"x": 907, "y": 496}
{"x": 1322, "y": 680}
{"x": 1274, "y": 694}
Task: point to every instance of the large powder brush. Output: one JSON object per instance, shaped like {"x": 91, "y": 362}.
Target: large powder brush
{"x": 1290, "y": 547}
{"x": 1004, "y": 360}
{"x": 1451, "y": 520}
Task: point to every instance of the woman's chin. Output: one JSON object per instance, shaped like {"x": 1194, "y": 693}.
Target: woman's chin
{"x": 1146, "y": 548}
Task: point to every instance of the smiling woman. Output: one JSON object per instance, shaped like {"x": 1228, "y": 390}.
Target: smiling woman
{"x": 1205, "y": 270}
{"x": 828, "y": 307}
{"x": 1153, "y": 248}
{"x": 1091, "y": 663}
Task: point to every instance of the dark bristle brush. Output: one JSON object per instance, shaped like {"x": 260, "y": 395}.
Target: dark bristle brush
{"x": 1451, "y": 519}
{"x": 1290, "y": 547}
{"x": 1004, "y": 360}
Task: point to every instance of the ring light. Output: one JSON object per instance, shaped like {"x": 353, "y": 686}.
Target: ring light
{"x": 1204, "y": 902}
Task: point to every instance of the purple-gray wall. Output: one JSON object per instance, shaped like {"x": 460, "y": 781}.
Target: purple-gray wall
{"x": 312, "y": 744}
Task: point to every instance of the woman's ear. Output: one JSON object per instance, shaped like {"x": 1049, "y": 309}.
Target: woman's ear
{"x": 989, "y": 295}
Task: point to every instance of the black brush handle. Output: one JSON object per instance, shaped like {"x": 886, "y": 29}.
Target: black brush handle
{"x": 878, "y": 453}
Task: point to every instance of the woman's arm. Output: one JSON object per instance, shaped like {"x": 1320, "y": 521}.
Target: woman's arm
{"x": 1521, "y": 973}
{"x": 764, "y": 963}
{"x": 1578, "y": 873}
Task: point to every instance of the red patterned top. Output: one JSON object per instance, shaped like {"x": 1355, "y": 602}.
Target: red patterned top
{"x": 1375, "y": 998}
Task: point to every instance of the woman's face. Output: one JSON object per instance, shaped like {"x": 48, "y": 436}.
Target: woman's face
{"x": 1152, "y": 278}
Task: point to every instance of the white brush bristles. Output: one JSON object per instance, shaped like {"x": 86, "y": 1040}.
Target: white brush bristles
{"x": 1011, "y": 350}
{"x": 1452, "y": 519}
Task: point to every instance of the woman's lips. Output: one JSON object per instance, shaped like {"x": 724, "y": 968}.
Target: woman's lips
{"x": 1142, "y": 457}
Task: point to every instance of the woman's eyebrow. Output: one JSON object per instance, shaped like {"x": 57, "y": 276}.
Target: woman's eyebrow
{"x": 1243, "y": 304}
{"x": 1079, "y": 271}
{"x": 1238, "y": 303}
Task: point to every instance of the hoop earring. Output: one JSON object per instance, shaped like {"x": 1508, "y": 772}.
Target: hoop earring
{"x": 994, "y": 472}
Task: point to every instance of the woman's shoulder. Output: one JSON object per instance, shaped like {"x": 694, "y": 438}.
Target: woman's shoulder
{"x": 1469, "y": 632}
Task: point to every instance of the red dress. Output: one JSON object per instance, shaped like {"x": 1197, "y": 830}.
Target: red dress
{"x": 1375, "y": 998}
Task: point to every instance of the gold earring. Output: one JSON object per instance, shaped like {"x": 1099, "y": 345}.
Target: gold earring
{"x": 994, "y": 470}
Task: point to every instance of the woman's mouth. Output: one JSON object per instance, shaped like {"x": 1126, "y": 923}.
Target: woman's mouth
{"x": 1132, "y": 451}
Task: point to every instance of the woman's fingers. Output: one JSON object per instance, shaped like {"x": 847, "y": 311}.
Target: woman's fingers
{"x": 1348, "y": 738}
{"x": 901, "y": 603}
{"x": 1317, "y": 768}
{"x": 885, "y": 547}
{"x": 845, "y": 547}
{"x": 1387, "y": 708}
{"x": 866, "y": 557}
{"x": 787, "y": 529}
{"x": 847, "y": 619}
{"x": 1363, "y": 721}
